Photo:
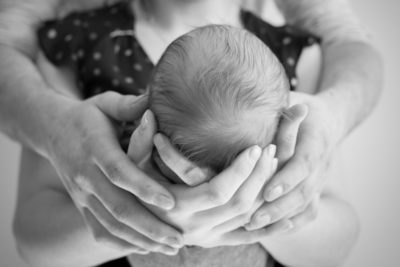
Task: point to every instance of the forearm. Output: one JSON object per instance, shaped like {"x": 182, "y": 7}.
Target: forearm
{"x": 324, "y": 242}
{"x": 50, "y": 231}
{"x": 351, "y": 83}
{"x": 351, "y": 76}
{"x": 27, "y": 106}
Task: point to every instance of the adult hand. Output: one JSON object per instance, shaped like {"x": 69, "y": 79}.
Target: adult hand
{"x": 293, "y": 193}
{"x": 103, "y": 182}
{"x": 213, "y": 213}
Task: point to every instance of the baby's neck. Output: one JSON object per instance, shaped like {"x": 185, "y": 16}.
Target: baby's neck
{"x": 189, "y": 14}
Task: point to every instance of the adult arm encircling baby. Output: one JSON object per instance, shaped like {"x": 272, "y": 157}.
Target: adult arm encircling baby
{"x": 348, "y": 89}
{"x": 334, "y": 228}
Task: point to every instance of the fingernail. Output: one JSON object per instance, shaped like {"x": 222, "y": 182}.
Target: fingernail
{"x": 142, "y": 251}
{"x": 249, "y": 226}
{"x": 265, "y": 218}
{"x": 158, "y": 141}
{"x": 275, "y": 193}
{"x": 169, "y": 250}
{"x": 145, "y": 119}
{"x": 274, "y": 165}
{"x": 164, "y": 202}
{"x": 261, "y": 219}
{"x": 288, "y": 225}
{"x": 271, "y": 150}
{"x": 173, "y": 242}
{"x": 255, "y": 152}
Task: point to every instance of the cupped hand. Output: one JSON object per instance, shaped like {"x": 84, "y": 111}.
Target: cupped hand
{"x": 292, "y": 195}
{"x": 103, "y": 182}
{"x": 212, "y": 213}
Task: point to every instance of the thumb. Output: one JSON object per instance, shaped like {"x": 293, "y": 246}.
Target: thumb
{"x": 141, "y": 142}
{"x": 287, "y": 132}
{"x": 120, "y": 107}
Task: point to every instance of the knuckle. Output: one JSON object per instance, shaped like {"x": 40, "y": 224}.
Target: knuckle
{"x": 216, "y": 197}
{"x": 82, "y": 182}
{"x": 306, "y": 164}
{"x": 101, "y": 237}
{"x": 305, "y": 194}
{"x": 120, "y": 211}
{"x": 114, "y": 171}
{"x": 241, "y": 204}
{"x": 154, "y": 234}
{"x": 287, "y": 139}
{"x": 313, "y": 214}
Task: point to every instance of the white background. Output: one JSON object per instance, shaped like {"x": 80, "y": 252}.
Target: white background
{"x": 371, "y": 154}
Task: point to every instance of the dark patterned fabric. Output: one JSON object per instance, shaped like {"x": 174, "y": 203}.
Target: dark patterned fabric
{"x": 102, "y": 47}
{"x": 101, "y": 44}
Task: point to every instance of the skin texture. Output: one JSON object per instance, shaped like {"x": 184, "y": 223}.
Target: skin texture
{"x": 25, "y": 103}
{"x": 79, "y": 138}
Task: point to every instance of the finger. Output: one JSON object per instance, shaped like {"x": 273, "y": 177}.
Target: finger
{"x": 122, "y": 231}
{"x": 282, "y": 207}
{"x": 102, "y": 236}
{"x": 245, "y": 198}
{"x": 222, "y": 187}
{"x": 308, "y": 215}
{"x": 182, "y": 168}
{"x": 300, "y": 167}
{"x": 120, "y": 170}
{"x": 141, "y": 141}
{"x": 241, "y": 236}
{"x": 124, "y": 208}
{"x": 121, "y": 107}
{"x": 287, "y": 131}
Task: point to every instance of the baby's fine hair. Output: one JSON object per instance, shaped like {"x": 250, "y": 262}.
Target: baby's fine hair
{"x": 217, "y": 91}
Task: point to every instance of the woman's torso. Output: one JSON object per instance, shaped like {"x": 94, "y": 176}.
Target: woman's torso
{"x": 108, "y": 56}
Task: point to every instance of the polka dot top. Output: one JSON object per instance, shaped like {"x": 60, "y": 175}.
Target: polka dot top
{"x": 102, "y": 47}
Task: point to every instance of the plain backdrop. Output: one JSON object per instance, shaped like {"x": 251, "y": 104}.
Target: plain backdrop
{"x": 371, "y": 156}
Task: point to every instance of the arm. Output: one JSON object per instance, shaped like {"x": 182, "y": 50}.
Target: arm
{"x": 351, "y": 77}
{"x": 348, "y": 90}
{"x": 49, "y": 229}
{"x": 328, "y": 238}
{"x": 79, "y": 138}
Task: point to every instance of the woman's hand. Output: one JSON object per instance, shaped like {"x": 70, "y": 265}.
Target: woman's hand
{"x": 213, "y": 213}
{"x": 293, "y": 193}
{"x": 103, "y": 182}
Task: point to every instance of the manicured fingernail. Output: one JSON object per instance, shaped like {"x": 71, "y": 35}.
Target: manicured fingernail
{"x": 275, "y": 193}
{"x": 164, "y": 202}
{"x": 255, "y": 152}
{"x": 271, "y": 150}
{"x": 173, "y": 242}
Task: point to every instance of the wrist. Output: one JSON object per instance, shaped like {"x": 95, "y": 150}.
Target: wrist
{"x": 335, "y": 115}
{"x": 50, "y": 108}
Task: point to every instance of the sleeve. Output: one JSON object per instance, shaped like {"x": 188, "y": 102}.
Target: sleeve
{"x": 63, "y": 41}
{"x": 333, "y": 20}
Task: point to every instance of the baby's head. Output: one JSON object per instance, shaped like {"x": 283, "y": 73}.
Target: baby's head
{"x": 217, "y": 91}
